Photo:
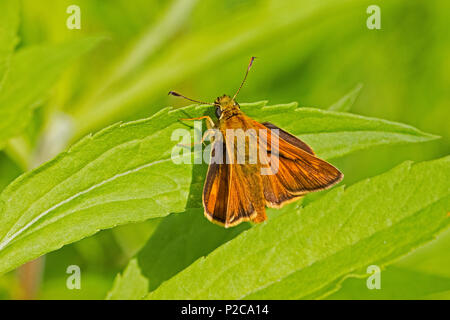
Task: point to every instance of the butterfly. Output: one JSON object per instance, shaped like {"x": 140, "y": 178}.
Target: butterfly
{"x": 234, "y": 191}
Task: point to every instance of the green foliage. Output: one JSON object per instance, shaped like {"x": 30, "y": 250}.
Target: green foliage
{"x": 8, "y": 171}
{"x": 131, "y": 286}
{"x": 336, "y": 134}
{"x": 125, "y": 174}
{"x": 122, "y": 174}
{"x": 9, "y": 23}
{"x": 399, "y": 283}
{"x": 346, "y": 102}
{"x": 188, "y": 55}
{"x": 52, "y": 94}
{"x": 178, "y": 241}
{"x": 32, "y": 72}
{"x": 303, "y": 252}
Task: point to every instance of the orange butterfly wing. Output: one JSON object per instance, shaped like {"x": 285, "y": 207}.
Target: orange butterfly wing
{"x": 239, "y": 192}
{"x": 232, "y": 192}
{"x": 299, "y": 171}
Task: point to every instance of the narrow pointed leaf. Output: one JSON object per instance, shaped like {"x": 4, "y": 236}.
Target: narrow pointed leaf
{"x": 345, "y": 103}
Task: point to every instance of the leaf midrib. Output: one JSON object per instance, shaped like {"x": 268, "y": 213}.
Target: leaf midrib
{"x": 78, "y": 170}
{"x": 10, "y": 239}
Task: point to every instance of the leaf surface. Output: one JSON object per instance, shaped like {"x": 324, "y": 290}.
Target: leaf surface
{"x": 125, "y": 173}
{"x": 129, "y": 286}
{"x": 345, "y": 103}
{"x": 32, "y": 73}
{"x": 301, "y": 254}
{"x": 9, "y": 24}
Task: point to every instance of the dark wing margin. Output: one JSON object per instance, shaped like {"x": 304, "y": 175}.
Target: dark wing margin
{"x": 299, "y": 171}
{"x": 216, "y": 188}
{"x": 289, "y": 138}
{"x": 232, "y": 193}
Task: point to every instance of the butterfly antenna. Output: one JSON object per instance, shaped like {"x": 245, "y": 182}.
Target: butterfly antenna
{"x": 176, "y": 94}
{"x": 245, "y": 78}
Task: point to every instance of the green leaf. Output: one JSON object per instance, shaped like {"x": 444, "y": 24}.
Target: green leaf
{"x": 334, "y": 134}
{"x": 94, "y": 286}
{"x": 166, "y": 266}
{"x": 9, "y": 24}
{"x": 179, "y": 241}
{"x": 345, "y": 103}
{"x": 396, "y": 283}
{"x": 125, "y": 174}
{"x": 302, "y": 253}
{"x": 122, "y": 174}
{"x": 148, "y": 43}
{"x": 165, "y": 255}
{"x": 429, "y": 259}
{"x": 135, "y": 286}
{"x": 33, "y": 71}
{"x": 131, "y": 238}
{"x": 8, "y": 170}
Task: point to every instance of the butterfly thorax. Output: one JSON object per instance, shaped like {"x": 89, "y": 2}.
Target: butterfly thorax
{"x": 226, "y": 107}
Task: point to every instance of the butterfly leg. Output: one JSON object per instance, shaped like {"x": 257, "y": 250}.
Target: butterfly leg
{"x": 202, "y": 141}
{"x": 210, "y": 122}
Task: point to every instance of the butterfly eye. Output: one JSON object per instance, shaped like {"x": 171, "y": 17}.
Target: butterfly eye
{"x": 218, "y": 112}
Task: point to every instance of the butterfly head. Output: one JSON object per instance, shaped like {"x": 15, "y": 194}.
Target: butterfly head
{"x": 226, "y": 105}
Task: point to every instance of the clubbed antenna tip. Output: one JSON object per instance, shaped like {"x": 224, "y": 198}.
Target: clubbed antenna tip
{"x": 176, "y": 94}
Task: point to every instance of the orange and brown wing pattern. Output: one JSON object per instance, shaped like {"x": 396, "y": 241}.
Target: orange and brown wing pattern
{"x": 216, "y": 188}
{"x": 236, "y": 192}
{"x": 299, "y": 171}
{"x": 246, "y": 200}
{"x": 289, "y": 138}
{"x": 233, "y": 192}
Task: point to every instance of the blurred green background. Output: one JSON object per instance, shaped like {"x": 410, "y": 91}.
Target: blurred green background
{"x": 313, "y": 52}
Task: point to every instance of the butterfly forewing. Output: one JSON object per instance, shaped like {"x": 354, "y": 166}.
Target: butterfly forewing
{"x": 289, "y": 138}
{"x": 298, "y": 172}
{"x": 236, "y": 192}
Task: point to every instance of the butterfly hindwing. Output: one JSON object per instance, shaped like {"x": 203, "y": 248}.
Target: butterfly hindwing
{"x": 227, "y": 199}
